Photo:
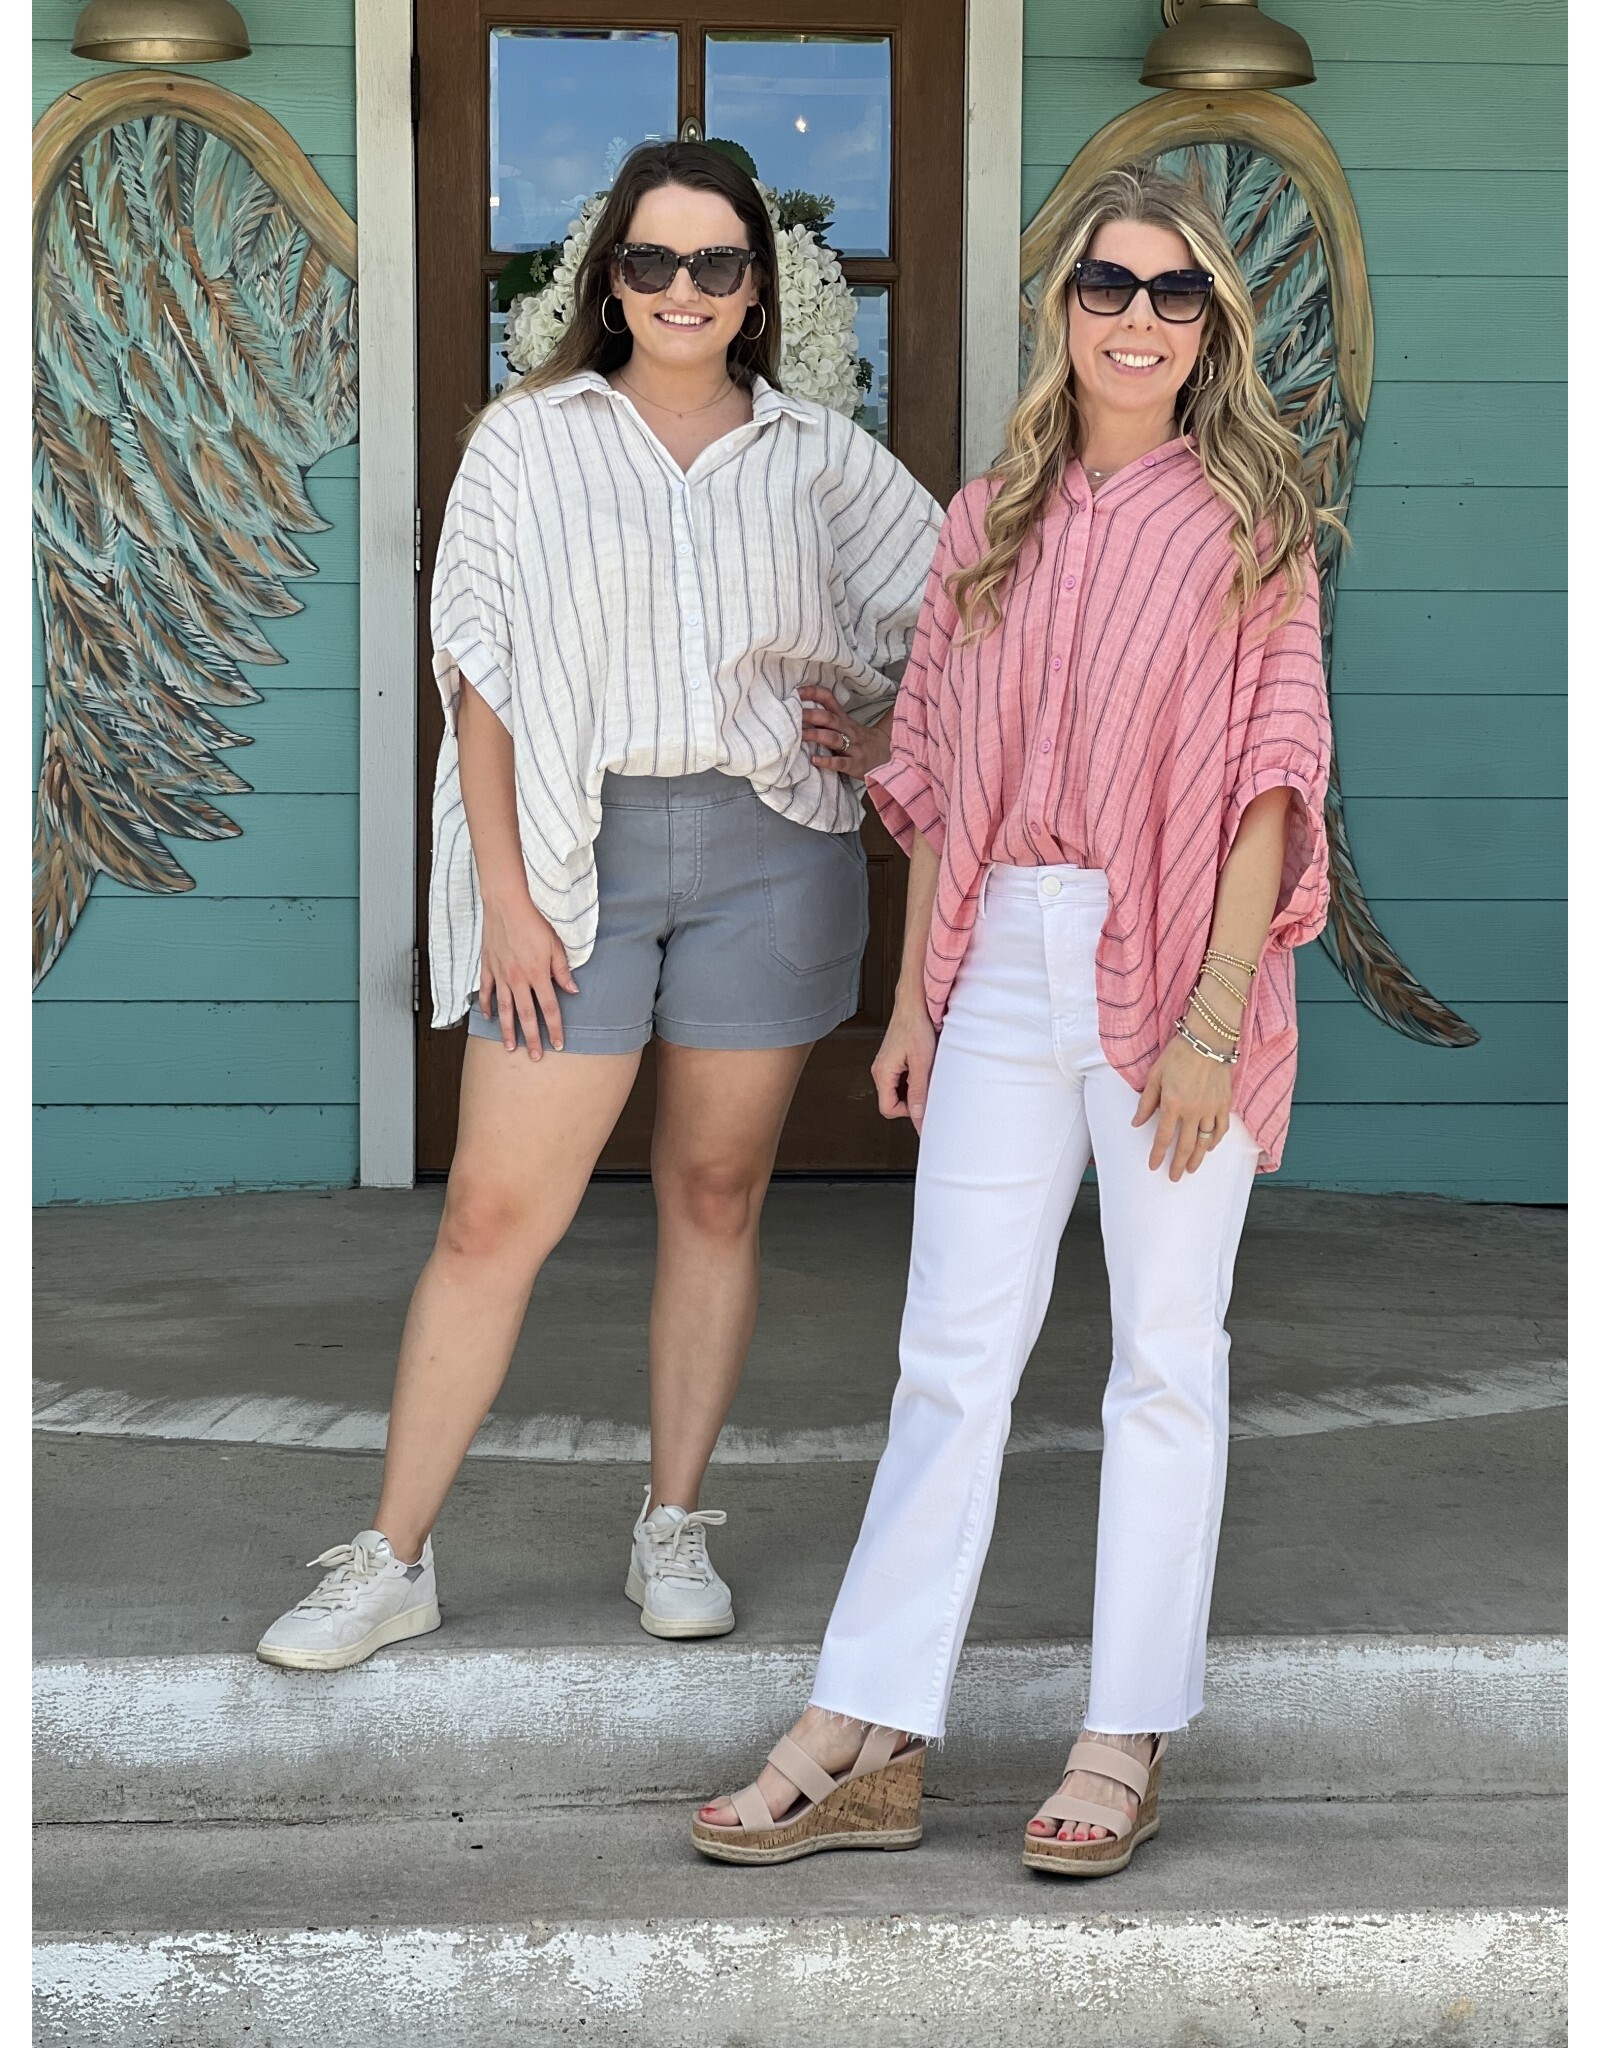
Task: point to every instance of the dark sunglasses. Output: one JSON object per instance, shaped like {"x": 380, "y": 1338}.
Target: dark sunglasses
{"x": 1176, "y": 295}
{"x": 647, "y": 267}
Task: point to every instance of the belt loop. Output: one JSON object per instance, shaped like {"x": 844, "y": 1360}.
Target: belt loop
{"x": 983, "y": 890}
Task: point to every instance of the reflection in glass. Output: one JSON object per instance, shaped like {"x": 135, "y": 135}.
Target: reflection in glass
{"x": 500, "y": 371}
{"x": 872, "y": 338}
{"x": 565, "y": 107}
{"x": 814, "y": 113}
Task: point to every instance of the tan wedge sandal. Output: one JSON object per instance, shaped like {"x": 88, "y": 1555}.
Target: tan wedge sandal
{"x": 1103, "y": 1858}
{"x": 876, "y": 1804}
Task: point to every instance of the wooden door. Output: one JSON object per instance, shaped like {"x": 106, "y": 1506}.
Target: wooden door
{"x": 521, "y": 110}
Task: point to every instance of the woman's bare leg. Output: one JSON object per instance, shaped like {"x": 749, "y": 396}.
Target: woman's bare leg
{"x": 530, "y": 1133}
{"x": 718, "y": 1119}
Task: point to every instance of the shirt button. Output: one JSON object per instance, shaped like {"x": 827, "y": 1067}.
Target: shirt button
{"x": 694, "y": 682}
{"x": 684, "y": 548}
{"x": 1056, "y": 663}
{"x": 1050, "y": 886}
{"x": 1044, "y": 746}
{"x": 693, "y": 619}
{"x": 1071, "y": 583}
{"x": 1149, "y": 462}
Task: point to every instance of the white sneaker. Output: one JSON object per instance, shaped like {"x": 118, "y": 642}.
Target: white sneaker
{"x": 670, "y": 1577}
{"x": 368, "y": 1599}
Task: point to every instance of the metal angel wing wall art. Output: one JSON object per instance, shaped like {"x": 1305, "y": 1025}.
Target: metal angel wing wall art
{"x": 194, "y": 355}
{"x": 1271, "y": 176}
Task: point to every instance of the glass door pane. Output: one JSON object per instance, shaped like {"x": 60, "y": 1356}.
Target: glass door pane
{"x": 565, "y": 107}
{"x": 500, "y": 371}
{"x": 872, "y": 340}
{"x": 814, "y": 113}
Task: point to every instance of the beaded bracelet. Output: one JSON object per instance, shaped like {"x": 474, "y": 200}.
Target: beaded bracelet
{"x": 1240, "y": 996}
{"x": 1233, "y": 960}
{"x": 1223, "y": 1059}
{"x": 1211, "y": 1020}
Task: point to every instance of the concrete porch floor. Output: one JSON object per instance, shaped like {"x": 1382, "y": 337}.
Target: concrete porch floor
{"x": 411, "y": 1851}
{"x": 213, "y": 1377}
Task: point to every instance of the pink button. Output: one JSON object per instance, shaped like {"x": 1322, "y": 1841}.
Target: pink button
{"x": 1044, "y": 746}
{"x": 1071, "y": 583}
{"x": 1057, "y": 662}
{"x": 1149, "y": 462}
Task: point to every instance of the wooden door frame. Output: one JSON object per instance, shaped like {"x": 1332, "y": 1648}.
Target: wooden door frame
{"x": 386, "y": 230}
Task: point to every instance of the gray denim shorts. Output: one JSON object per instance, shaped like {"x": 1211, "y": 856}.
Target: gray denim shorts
{"x": 722, "y": 924}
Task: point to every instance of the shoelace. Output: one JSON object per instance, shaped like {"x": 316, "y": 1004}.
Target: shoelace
{"x": 689, "y": 1536}
{"x": 354, "y": 1565}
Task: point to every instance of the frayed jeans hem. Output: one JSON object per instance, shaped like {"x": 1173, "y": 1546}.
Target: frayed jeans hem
{"x": 873, "y": 1719}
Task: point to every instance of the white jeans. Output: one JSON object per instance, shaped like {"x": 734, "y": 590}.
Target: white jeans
{"x": 1021, "y": 1094}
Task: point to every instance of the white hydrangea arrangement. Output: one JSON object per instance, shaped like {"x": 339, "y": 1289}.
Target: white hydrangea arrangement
{"x": 820, "y": 359}
{"x": 535, "y": 320}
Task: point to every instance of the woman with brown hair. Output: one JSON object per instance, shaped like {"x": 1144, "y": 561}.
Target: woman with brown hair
{"x": 675, "y": 596}
{"x": 1109, "y": 761}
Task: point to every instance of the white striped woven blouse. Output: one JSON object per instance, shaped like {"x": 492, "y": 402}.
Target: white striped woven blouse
{"x": 620, "y": 614}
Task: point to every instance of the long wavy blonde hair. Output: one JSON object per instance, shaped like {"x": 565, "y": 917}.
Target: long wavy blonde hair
{"x": 1250, "y": 457}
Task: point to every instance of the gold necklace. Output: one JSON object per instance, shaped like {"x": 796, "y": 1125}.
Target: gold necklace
{"x": 693, "y": 411}
{"x": 1100, "y": 475}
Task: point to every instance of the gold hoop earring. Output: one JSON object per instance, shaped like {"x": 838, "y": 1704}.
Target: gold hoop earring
{"x": 743, "y": 336}
{"x": 605, "y": 323}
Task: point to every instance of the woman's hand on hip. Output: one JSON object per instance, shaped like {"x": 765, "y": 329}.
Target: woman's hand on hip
{"x": 1190, "y": 1097}
{"x": 523, "y": 965}
{"x": 841, "y": 743}
{"x": 905, "y": 1060}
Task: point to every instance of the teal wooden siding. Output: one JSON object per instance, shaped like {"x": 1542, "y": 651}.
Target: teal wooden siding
{"x": 190, "y": 1043}
{"x": 1450, "y": 645}
{"x": 209, "y": 1041}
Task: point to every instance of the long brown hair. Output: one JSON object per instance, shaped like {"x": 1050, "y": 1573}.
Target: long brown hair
{"x": 1251, "y": 459}
{"x": 587, "y": 343}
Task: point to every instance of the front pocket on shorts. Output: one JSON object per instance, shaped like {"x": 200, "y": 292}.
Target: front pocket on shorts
{"x": 815, "y": 885}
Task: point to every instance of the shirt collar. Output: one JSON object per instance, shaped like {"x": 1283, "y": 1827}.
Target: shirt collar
{"x": 767, "y": 402}
{"x": 1075, "y": 479}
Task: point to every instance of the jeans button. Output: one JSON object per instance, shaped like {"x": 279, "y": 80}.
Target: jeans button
{"x": 1050, "y": 886}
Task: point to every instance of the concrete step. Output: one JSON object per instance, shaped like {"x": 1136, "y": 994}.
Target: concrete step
{"x": 1360, "y": 1925}
{"x": 426, "y": 1729}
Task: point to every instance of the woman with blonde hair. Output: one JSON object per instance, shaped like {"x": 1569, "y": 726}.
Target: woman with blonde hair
{"x": 670, "y": 603}
{"x": 1109, "y": 762}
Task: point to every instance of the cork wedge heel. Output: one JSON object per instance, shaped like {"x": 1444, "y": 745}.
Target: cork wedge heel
{"x": 876, "y": 1804}
{"x": 1115, "y": 1852}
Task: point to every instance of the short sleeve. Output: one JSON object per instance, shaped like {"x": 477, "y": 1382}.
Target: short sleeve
{"x": 474, "y": 575}
{"x": 884, "y": 527}
{"x": 1280, "y": 737}
{"x": 910, "y": 790}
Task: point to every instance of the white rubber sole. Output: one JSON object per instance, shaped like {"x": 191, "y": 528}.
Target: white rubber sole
{"x": 671, "y": 1631}
{"x": 410, "y": 1621}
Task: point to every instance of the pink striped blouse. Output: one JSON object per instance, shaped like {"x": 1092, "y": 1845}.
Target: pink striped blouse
{"x": 1114, "y": 719}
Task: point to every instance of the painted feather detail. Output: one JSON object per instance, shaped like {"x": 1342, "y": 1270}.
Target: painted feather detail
{"x": 1286, "y": 269}
{"x": 194, "y": 355}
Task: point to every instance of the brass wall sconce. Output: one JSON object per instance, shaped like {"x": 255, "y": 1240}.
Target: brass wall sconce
{"x": 160, "y": 32}
{"x": 1224, "y": 46}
